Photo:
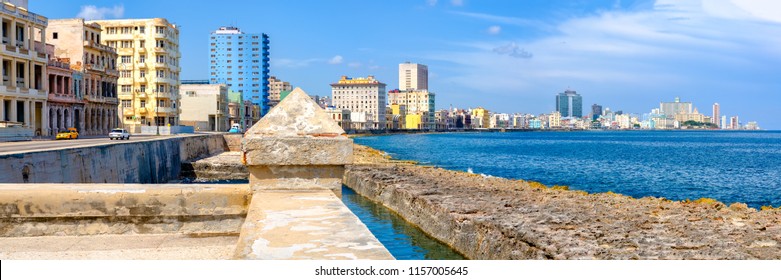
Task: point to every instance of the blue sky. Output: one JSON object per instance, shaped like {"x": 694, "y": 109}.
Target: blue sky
{"x": 507, "y": 56}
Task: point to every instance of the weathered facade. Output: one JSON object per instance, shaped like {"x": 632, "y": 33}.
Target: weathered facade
{"x": 80, "y": 43}
{"x": 23, "y": 90}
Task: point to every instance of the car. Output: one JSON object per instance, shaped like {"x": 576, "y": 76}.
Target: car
{"x": 235, "y": 128}
{"x": 118, "y": 133}
{"x": 71, "y": 133}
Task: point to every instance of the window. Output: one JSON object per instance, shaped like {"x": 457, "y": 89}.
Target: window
{"x": 142, "y": 29}
{"x": 160, "y": 88}
{"x": 160, "y": 103}
{"x": 161, "y": 74}
{"x": 127, "y": 103}
{"x": 54, "y": 35}
{"x": 142, "y": 73}
{"x": 141, "y": 43}
{"x": 160, "y": 43}
{"x": 143, "y": 103}
{"x": 127, "y": 44}
{"x": 125, "y": 88}
{"x": 125, "y": 59}
{"x": 160, "y": 29}
{"x": 160, "y": 59}
{"x": 124, "y": 74}
{"x": 142, "y": 59}
{"x": 126, "y": 30}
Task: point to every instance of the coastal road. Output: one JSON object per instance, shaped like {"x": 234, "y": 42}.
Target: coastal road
{"x": 84, "y": 141}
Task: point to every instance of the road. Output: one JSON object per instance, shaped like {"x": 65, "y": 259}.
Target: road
{"x": 88, "y": 141}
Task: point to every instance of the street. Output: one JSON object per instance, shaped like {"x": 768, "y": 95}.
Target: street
{"x": 84, "y": 141}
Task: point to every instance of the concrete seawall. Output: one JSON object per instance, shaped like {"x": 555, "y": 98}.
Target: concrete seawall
{"x": 150, "y": 161}
{"x": 98, "y": 209}
{"x": 496, "y": 218}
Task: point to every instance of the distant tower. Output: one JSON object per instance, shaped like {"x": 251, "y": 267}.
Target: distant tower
{"x": 570, "y": 104}
{"x": 413, "y": 76}
{"x": 596, "y": 111}
{"x": 716, "y": 112}
{"x": 723, "y": 122}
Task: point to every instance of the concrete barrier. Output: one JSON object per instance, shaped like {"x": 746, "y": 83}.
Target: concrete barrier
{"x": 92, "y": 209}
{"x": 152, "y": 161}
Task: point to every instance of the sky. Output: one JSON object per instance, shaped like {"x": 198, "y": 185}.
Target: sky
{"x": 506, "y": 56}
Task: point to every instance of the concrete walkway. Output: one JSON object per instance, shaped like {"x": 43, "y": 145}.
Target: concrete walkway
{"x": 122, "y": 247}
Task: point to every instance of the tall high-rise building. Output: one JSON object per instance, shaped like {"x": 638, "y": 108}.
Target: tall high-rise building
{"x": 570, "y": 104}
{"x": 413, "y": 76}
{"x": 670, "y": 109}
{"x": 80, "y": 44}
{"x": 734, "y": 123}
{"x": 23, "y": 92}
{"x": 596, "y": 111}
{"x": 364, "y": 97}
{"x": 148, "y": 67}
{"x": 723, "y": 122}
{"x": 241, "y": 61}
{"x": 716, "y": 113}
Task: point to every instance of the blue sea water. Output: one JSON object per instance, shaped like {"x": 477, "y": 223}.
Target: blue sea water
{"x": 728, "y": 166}
{"x": 403, "y": 240}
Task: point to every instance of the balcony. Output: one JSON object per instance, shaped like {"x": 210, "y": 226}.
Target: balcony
{"x": 141, "y": 94}
{"x": 143, "y": 110}
{"x": 160, "y": 50}
{"x": 166, "y": 95}
{"x": 161, "y": 65}
{"x": 128, "y": 111}
{"x": 95, "y": 67}
{"x": 141, "y": 50}
{"x": 100, "y": 47}
{"x": 141, "y": 65}
{"x": 167, "y": 111}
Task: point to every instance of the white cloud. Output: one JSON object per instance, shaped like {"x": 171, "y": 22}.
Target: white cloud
{"x": 431, "y": 2}
{"x": 354, "y": 64}
{"x": 672, "y": 48}
{"x": 336, "y": 60}
{"x": 92, "y": 12}
{"x": 495, "y": 29}
{"x": 457, "y": 2}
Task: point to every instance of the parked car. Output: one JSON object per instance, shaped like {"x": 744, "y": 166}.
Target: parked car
{"x": 72, "y": 133}
{"x": 235, "y": 128}
{"x": 119, "y": 133}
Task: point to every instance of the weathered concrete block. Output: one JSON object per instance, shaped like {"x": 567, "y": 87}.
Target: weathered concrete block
{"x": 310, "y": 225}
{"x": 297, "y": 177}
{"x": 298, "y": 151}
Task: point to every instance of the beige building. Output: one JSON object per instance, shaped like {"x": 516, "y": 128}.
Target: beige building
{"x": 416, "y": 102}
{"x": 364, "y": 97}
{"x": 205, "y": 106}
{"x": 149, "y": 69}
{"x": 23, "y": 93}
{"x": 413, "y": 76}
{"x": 275, "y": 87}
{"x": 80, "y": 44}
{"x": 554, "y": 120}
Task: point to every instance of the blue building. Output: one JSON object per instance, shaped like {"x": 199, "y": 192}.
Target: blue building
{"x": 570, "y": 104}
{"x": 241, "y": 61}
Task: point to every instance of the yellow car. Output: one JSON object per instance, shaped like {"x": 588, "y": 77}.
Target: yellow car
{"x": 72, "y": 133}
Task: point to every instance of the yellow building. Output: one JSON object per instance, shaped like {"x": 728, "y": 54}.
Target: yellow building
{"x": 481, "y": 118}
{"x": 149, "y": 69}
{"x": 417, "y": 102}
{"x": 554, "y": 120}
{"x": 694, "y": 116}
{"x": 80, "y": 43}
{"x": 23, "y": 93}
{"x": 275, "y": 88}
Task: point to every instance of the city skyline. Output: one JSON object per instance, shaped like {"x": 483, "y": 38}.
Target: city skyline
{"x": 507, "y": 56}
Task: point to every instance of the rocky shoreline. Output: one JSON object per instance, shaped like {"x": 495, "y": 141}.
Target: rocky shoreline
{"x": 497, "y": 218}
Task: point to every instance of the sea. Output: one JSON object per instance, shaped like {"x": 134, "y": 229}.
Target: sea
{"x": 729, "y": 166}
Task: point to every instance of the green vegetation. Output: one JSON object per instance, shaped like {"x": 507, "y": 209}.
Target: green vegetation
{"x": 696, "y": 124}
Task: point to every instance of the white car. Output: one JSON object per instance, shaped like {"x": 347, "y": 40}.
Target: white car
{"x": 119, "y": 133}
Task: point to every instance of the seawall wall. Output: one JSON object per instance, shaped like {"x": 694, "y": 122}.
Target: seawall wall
{"x": 150, "y": 161}
{"x": 496, "y": 218}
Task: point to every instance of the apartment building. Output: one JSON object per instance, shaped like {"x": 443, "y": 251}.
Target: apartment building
{"x": 364, "y": 97}
{"x": 204, "y": 106}
{"x": 78, "y": 43}
{"x": 148, "y": 65}
{"x": 23, "y": 93}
